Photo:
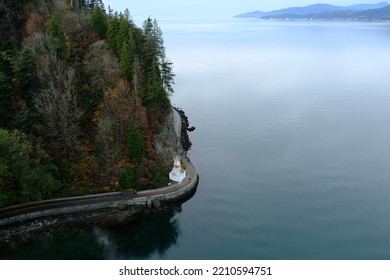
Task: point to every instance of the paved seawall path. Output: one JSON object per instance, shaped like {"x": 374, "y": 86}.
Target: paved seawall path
{"x": 107, "y": 201}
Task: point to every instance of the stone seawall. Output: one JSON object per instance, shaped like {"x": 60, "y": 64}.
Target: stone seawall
{"x": 116, "y": 201}
{"x": 149, "y": 199}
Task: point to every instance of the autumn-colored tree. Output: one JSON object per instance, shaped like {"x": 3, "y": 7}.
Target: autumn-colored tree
{"x": 57, "y": 106}
{"x": 79, "y": 34}
{"x": 89, "y": 88}
{"x": 101, "y": 69}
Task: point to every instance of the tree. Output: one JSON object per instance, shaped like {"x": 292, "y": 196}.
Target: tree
{"x": 127, "y": 55}
{"x": 123, "y": 33}
{"x": 154, "y": 40}
{"x": 101, "y": 69}
{"x": 167, "y": 75}
{"x": 110, "y": 11}
{"x": 55, "y": 31}
{"x": 77, "y": 4}
{"x": 157, "y": 35}
{"x": 101, "y": 66}
{"x": 112, "y": 33}
{"x": 57, "y": 106}
{"x": 156, "y": 97}
{"x": 26, "y": 75}
{"x": 127, "y": 179}
{"x": 135, "y": 144}
{"x": 6, "y": 89}
{"x": 98, "y": 21}
{"x": 154, "y": 53}
{"x": 26, "y": 172}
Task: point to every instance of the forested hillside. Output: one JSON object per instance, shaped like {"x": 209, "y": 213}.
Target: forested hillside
{"x": 83, "y": 92}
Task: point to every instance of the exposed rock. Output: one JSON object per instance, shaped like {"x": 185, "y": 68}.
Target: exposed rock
{"x": 184, "y": 139}
{"x": 165, "y": 142}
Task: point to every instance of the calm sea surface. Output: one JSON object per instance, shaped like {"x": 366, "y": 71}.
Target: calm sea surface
{"x": 292, "y": 144}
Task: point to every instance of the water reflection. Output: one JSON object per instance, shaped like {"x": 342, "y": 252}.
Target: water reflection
{"x": 152, "y": 234}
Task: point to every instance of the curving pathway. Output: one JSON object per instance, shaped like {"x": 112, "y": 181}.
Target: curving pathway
{"x": 148, "y": 198}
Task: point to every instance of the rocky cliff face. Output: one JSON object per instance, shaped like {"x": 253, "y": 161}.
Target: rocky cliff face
{"x": 166, "y": 142}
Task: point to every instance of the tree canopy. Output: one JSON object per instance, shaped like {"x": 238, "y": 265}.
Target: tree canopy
{"x": 82, "y": 95}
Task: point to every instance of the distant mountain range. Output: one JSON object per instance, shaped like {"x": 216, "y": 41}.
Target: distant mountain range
{"x": 380, "y": 11}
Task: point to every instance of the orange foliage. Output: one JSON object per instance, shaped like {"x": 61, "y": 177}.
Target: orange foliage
{"x": 35, "y": 23}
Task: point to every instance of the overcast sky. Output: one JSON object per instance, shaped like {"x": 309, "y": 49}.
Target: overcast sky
{"x": 212, "y": 8}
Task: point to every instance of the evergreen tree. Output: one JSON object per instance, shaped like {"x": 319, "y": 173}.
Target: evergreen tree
{"x": 26, "y": 172}
{"x": 156, "y": 95}
{"x": 113, "y": 33}
{"x": 6, "y": 89}
{"x": 127, "y": 179}
{"x": 159, "y": 41}
{"x": 127, "y": 55}
{"x": 26, "y": 75}
{"x": 167, "y": 75}
{"x": 149, "y": 47}
{"x": 98, "y": 21}
{"x": 127, "y": 15}
{"x": 110, "y": 11}
{"x": 56, "y": 32}
{"x": 148, "y": 27}
{"x": 123, "y": 33}
{"x": 135, "y": 144}
{"x": 27, "y": 86}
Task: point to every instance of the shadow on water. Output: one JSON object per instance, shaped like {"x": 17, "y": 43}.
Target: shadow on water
{"x": 154, "y": 232}
{"x": 149, "y": 235}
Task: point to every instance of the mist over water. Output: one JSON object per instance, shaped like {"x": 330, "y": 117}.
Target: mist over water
{"x": 292, "y": 145}
{"x": 292, "y": 140}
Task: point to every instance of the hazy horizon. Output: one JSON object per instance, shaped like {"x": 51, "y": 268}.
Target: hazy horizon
{"x": 215, "y": 8}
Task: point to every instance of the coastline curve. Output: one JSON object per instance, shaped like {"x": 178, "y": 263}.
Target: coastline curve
{"x": 122, "y": 201}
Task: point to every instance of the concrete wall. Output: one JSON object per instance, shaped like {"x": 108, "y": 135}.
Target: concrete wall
{"x": 145, "y": 200}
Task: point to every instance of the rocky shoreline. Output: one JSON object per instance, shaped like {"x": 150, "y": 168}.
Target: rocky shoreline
{"x": 185, "y": 127}
{"x": 24, "y": 231}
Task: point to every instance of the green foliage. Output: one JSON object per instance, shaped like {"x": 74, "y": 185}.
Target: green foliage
{"x": 127, "y": 179}
{"x": 6, "y": 89}
{"x": 24, "y": 119}
{"x": 123, "y": 33}
{"x": 27, "y": 81}
{"x": 167, "y": 76}
{"x": 112, "y": 33}
{"x": 98, "y": 21}
{"x": 93, "y": 104}
{"x": 55, "y": 30}
{"x": 26, "y": 172}
{"x": 156, "y": 95}
{"x": 26, "y": 75}
{"x": 135, "y": 144}
{"x": 127, "y": 55}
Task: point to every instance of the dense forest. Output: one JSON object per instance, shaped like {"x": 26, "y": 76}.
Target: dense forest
{"x": 83, "y": 92}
